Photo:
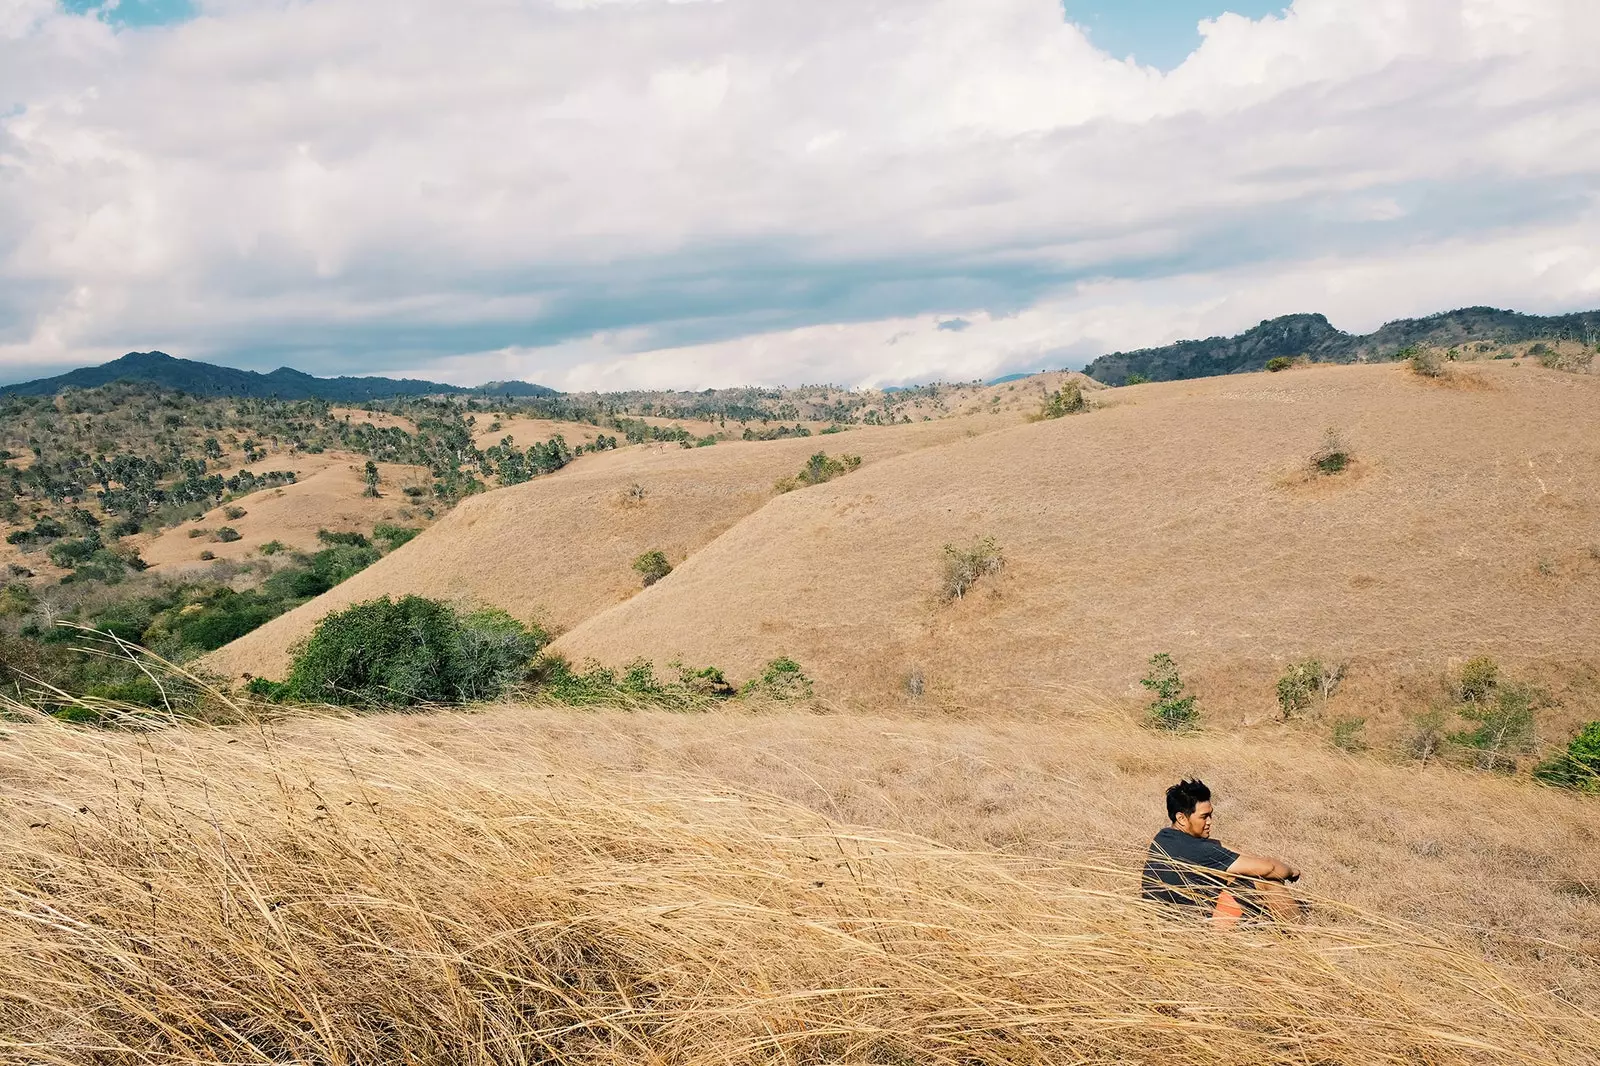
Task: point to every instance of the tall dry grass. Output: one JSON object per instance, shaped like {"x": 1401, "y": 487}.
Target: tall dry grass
{"x": 352, "y": 891}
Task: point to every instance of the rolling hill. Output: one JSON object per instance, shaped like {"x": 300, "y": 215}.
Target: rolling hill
{"x": 206, "y": 379}
{"x": 1176, "y": 517}
{"x": 1314, "y": 337}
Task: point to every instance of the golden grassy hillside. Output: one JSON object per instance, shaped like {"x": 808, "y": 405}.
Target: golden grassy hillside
{"x": 332, "y": 497}
{"x": 529, "y": 431}
{"x": 483, "y": 889}
{"x": 1178, "y": 517}
{"x": 561, "y": 547}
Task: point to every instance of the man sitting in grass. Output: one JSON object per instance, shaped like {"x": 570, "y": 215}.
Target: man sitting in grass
{"x": 1187, "y": 869}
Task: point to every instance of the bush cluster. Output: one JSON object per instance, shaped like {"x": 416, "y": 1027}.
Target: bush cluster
{"x": 819, "y": 468}
{"x": 1169, "y": 707}
{"x": 1577, "y": 767}
{"x": 1279, "y": 362}
{"x": 652, "y": 566}
{"x": 965, "y": 567}
{"x": 408, "y": 651}
{"x": 554, "y": 678}
{"x": 1304, "y": 682}
{"x": 1334, "y": 455}
{"x": 1067, "y": 400}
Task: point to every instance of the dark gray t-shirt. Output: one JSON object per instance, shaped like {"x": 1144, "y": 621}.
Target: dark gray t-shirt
{"x": 1170, "y": 874}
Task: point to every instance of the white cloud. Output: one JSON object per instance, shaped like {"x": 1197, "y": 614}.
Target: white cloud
{"x": 643, "y": 191}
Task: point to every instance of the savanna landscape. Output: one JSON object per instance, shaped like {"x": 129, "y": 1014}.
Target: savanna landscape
{"x": 805, "y": 726}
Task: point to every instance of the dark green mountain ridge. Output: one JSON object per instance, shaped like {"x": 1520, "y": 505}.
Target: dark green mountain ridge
{"x": 1314, "y": 337}
{"x": 206, "y": 379}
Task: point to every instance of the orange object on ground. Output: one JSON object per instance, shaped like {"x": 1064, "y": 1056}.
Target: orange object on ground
{"x": 1228, "y": 912}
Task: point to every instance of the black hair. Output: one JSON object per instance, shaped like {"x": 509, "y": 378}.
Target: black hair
{"x": 1183, "y": 797}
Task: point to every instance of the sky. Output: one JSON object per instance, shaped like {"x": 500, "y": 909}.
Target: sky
{"x": 605, "y": 194}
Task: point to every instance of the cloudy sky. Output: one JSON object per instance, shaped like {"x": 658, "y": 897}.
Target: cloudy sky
{"x": 619, "y": 193}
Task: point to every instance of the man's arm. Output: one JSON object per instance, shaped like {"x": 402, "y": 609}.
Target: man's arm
{"x": 1264, "y": 868}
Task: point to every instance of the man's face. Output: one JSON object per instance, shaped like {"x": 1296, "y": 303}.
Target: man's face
{"x": 1197, "y": 824}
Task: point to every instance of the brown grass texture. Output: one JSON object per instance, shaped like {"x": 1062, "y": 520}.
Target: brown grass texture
{"x": 438, "y": 890}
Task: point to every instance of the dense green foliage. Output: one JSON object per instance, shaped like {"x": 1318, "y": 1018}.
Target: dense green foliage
{"x": 403, "y": 652}
{"x": 1578, "y": 767}
{"x": 652, "y": 566}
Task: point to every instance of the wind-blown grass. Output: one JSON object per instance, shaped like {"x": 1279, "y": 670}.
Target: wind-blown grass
{"x": 345, "y": 891}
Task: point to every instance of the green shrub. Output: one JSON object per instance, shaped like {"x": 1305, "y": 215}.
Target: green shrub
{"x": 652, "y": 566}
{"x": 1578, "y": 767}
{"x": 964, "y": 567}
{"x": 554, "y": 678}
{"x": 334, "y": 539}
{"x": 1348, "y": 734}
{"x": 207, "y": 555}
{"x": 819, "y": 468}
{"x": 1136, "y": 379}
{"x": 1425, "y": 362}
{"x": 781, "y": 679}
{"x": 394, "y": 536}
{"x": 413, "y": 650}
{"x": 1504, "y": 725}
{"x": 1067, "y": 400}
{"x": 233, "y": 514}
{"x": 1477, "y": 680}
{"x": 274, "y": 547}
{"x": 1279, "y": 362}
{"x": 16, "y": 599}
{"x": 69, "y": 553}
{"x": 1169, "y": 708}
{"x": 1299, "y": 686}
{"x": 1334, "y": 455}
{"x": 227, "y": 535}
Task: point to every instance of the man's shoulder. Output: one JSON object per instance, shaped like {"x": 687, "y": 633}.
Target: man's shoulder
{"x": 1176, "y": 844}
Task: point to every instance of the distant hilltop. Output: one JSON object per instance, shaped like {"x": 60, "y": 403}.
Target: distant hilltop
{"x": 205, "y": 379}
{"x": 1315, "y": 338}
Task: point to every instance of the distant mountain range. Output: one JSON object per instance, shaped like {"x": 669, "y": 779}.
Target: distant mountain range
{"x": 1314, "y": 337}
{"x": 204, "y": 379}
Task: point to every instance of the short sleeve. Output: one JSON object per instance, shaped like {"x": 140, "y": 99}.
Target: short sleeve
{"x": 1213, "y": 855}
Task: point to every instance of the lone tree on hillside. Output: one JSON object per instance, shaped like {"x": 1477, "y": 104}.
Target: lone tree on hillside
{"x": 652, "y": 566}
{"x": 372, "y": 479}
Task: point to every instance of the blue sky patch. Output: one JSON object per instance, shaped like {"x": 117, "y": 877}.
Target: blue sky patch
{"x": 1158, "y": 33}
{"x": 134, "y": 12}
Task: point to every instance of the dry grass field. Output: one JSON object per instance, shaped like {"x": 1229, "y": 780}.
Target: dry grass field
{"x": 381, "y": 419}
{"x": 329, "y": 498}
{"x": 1176, "y": 517}
{"x": 544, "y": 886}
{"x": 530, "y": 431}
{"x": 560, "y": 548}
